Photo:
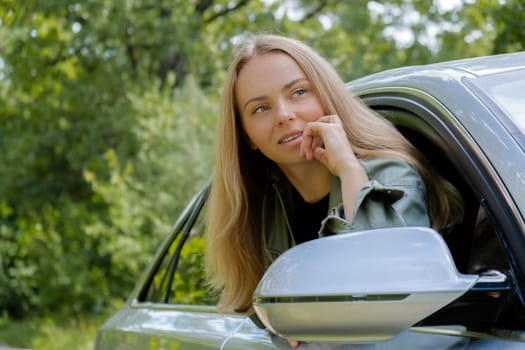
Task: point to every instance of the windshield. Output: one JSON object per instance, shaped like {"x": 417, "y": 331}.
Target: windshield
{"x": 507, "y": 91}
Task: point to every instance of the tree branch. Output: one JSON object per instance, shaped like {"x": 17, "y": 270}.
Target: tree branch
{"x": 203, "y": 5}
{"x": 226, "y": 11}
{"x": 315, "y": 11}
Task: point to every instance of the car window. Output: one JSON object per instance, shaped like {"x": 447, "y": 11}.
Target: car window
{"x": 487, "y": 252}
{"x": 180, "y": 277}
{"x": 478, "y": 243}
{"x": 502, "y": 92}
{"x": 474, "y": 243}
{"x": 506, "y": 89}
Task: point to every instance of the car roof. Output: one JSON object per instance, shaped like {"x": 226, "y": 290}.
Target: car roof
{"x": 481, "y": 66}
{"x": 450, "y": 70}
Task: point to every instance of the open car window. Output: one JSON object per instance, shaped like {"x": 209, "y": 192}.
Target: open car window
{"x": 179, "y": 277}
{"x": 478, "y": 243}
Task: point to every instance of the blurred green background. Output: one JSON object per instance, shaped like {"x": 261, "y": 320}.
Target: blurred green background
{"x": 108, "y": 110}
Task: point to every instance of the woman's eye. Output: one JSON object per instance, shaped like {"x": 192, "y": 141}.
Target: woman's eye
{"x": 299, "y": 92}
{"x": 260, "y": 109}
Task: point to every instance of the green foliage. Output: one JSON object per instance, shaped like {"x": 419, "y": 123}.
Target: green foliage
{"x": 182, "y": 273}
{"x": 108, "y": 112}
{"x": 189, "y": 285}
{"x": 94, "y": 247}
{"x": 52, "y": 333}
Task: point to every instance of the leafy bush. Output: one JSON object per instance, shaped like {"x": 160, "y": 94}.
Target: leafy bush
{"x": 77, "y": 247}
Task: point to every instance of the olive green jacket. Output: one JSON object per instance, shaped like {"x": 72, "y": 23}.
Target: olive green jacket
{"x": 394, "y": 196}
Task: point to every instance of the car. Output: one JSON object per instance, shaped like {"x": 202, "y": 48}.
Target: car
{"x": 391, "y": 288}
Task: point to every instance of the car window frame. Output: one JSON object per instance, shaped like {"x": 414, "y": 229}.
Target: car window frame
{"x": 182, "y": 229}
{"x": 438, "y": 124}
{"x": 480, "y": 86}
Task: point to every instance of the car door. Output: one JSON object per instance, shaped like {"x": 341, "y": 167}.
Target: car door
{"x": 174, "y": 305}
{"x": 491, "y": 236}
{"x": 482, "y": 319}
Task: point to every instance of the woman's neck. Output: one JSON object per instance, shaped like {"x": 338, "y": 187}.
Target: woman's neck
{"x": 310, "y": 179}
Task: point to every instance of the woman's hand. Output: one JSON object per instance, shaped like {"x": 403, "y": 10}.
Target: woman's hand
{"x": 326, "y": 141}
{"x": 293, "y": 343}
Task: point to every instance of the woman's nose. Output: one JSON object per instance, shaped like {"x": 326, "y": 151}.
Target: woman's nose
{"x": 284, "y": 113}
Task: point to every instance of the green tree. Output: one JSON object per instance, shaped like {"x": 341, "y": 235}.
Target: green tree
{"x": 81, "y": 207}
{"x": 108, "y": 113}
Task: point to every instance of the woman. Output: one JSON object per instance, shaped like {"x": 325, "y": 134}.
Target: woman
{"x": 299, "y": 157}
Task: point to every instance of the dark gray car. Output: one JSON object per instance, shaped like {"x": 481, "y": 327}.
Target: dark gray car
{"x": 465, "y": 290}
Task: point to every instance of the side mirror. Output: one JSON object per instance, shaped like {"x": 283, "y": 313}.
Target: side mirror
{"x": 359, "y": 287}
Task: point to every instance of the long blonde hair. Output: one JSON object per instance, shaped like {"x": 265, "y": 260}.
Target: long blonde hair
{"x": 234, "y": 259}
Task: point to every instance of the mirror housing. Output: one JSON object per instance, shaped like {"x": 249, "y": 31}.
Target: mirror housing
{"x": 359, "y": 287}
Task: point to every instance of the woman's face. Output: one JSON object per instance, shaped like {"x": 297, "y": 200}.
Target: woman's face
{"x": 275, "y": 101}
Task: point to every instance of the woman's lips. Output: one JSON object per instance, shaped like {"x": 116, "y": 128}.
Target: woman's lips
{"x": 291, "y": 137}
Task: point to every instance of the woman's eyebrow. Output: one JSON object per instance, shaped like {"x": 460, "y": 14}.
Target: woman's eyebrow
{"x": 263, "y": 97}
{"x": 258, "y": 98}
{"x": 293, "y": 82}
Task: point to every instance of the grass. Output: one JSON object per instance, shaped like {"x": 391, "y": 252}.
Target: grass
{"x": 52, "y": 332}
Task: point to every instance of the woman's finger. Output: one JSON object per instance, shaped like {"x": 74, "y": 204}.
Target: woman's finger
{"x": 326, "y": 141}
{"x": 312, "y": 138}
{"x": 293, "y": 343}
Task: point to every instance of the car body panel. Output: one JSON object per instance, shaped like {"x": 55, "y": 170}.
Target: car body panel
{"x": 170, "y": 327}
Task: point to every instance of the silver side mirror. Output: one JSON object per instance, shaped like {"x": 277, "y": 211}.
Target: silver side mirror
{"x": 359, "y": 287}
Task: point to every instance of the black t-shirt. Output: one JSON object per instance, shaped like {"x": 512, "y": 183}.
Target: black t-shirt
{"x": 307, "y": 217}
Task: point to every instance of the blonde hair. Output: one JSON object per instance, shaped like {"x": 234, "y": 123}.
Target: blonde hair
{"x": 234, "y": 252}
